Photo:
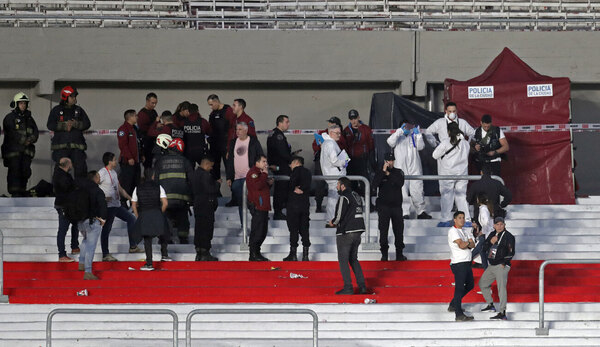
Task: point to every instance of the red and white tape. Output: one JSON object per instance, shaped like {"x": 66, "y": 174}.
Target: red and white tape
{"x": 576, "y": 127}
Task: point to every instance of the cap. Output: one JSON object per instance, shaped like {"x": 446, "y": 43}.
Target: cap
{"x": 334, "y": 120}
{"x": 498, "y": 219}
{"x": 352, "y": 114}
{"x": 389, "y": 156}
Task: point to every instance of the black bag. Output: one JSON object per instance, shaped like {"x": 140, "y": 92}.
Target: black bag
{"x": 77, "y": 207}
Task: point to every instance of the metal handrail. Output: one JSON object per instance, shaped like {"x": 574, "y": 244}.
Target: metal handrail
{"x": 315, "y": 318}
{"x": 3, "y": 298}
{"x": 111, "y": 311}
{"x": 367, "y": 209}
{"x": 541, "y": 330}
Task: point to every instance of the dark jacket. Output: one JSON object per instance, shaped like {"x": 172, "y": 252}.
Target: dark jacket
{"x": 279, "y": 152}
{"x": 174, "y": 171}
{"x": 254, "y": 150}
{"x": 97, "y": 199}
{"x": 205, "y": 189}
{"x": 220, "y": 121}
{"x": 301, "y": 178}
{"x": 390, "y": 187}
{"x": 145, "y": 119}
{"x": 128, "y": 143}
{"x": 18, "y": 129}
{"x": 57, "y": 122}
{"x": 349, "y": 213}
{"x": 258, "y": 189}
{"x": 506, "y": 248}
{"x": 63, "y": 185}
{"x": 359, "y": 141}
{"x": 493, "y": 189}
{"x": 195, "y": 131}
{"x": 490, "y": 143}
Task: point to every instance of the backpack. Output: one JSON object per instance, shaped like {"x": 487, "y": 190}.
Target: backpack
{"x": 77, "y": 208}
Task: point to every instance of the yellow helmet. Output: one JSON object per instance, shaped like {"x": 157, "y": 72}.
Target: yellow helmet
{"x": 20, "y": 96}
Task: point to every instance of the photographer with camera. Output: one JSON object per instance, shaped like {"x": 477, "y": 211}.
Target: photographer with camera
{"x": 490, "y": 145}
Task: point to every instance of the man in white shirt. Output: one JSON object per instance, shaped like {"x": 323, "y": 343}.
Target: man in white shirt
{"x": 460, "y": 243}
{"x": 109, "y": 183}
{"x": 440, "y": 126}
{"x": 490, "y": 144}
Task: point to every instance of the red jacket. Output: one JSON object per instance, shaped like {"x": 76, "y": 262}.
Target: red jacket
{"x": 243, "y": 118}
{"x": 154, "y": 131}
{"x": 341, "y": 142}
{"x": 362, "y": 143}
{"x": 128, "y": 143}
{"x": 258, "y": 189}
{"x": 145, "y": 119}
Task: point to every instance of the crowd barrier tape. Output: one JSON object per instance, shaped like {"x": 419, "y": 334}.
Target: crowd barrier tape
{"x": 575, "y": 127}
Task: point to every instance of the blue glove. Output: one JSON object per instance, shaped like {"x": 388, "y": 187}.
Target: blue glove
{"x": 406, "y": 131}
{"x": 416, "y": 130}
{"x": 346, "y": 164}
{"x": 318, "y": 139}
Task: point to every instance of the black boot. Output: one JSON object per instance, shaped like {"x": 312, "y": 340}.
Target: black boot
{"x": 256, "y": 256}
{"x": 400, "y": 256}
{"x": 305, "y": 254}
{"x": 206, "y": 256}
{"x": 319, "y": 208}
{"x": 384, "y": 254}
{"x": 292, "y": 256}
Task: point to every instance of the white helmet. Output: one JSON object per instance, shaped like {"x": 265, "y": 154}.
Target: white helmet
{"x": 163, "y": 140}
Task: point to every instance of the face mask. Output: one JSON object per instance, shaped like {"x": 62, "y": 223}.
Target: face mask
{"x": 452, "y": 116}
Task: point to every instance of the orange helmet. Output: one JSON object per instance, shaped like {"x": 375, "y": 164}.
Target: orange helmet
{"x": 178, "y": 144}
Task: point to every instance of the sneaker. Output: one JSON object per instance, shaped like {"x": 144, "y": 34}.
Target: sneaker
{"x": 463, "y": 318}
{"x": 489, "y": 308}
{"x": 135, "y": 249}
{"x": 147, "y": 267}
{"x": 90, "y": 276}
{"x": 65, "y": 259}
{"x": 500, "y": 316}
{"x": 109, "y": 257}
{"x": 424, "y": 215}
{"x": 81, "y": 267}
{"x": 75, "y": 250}
{"x": 345, "y": 291}
{"x": 166, "y": 258}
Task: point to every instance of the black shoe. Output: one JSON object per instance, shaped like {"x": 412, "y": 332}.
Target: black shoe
{"x": 292, "y": 256}
{"x": 345, "y": 291}
{"x": 424, "y": 215}
{"x": 500, "y": 316}
{"x": 384, "y": 255}
{"x": 362, "y": 290}
{"x": 231, "y": 203}
{"x": 279, "y": 216}
{"x": 489, "y": 307}
{"x": 463, "y": 318}
{"x": 205, "y": 255}
{"x": 198, "y": 256}
{"x": 256, "y": 256}
{"x": 401, "y": 257}
{"x": 305, "y": 254}
{"x": 451, "y": 308}
{"x": 406, "y": 216}
{"x": 319, "y": 209}
{"x": 477, "y": 266}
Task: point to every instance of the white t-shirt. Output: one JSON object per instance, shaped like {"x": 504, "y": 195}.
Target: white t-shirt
{"x": 485, "y": 220}
{"x": 109, "y": 183}
{"x": 163, "y": 194}
{"x": 458, "y": 255}
{"x": 484, "y": 133}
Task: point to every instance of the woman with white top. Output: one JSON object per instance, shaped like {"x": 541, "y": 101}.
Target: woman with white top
{"x": 481, "y": 228}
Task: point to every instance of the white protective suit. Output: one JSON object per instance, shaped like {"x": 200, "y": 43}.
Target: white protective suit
{"x": 407, "y": 159}
{"x": 456, "y": 162}
{"x": 440, "y": 127}
{"x": 331, "y": 165}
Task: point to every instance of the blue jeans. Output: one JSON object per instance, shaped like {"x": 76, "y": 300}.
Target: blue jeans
{"x": 63, "y": 227}
{"x": 479, "y": 250}
{"x": 237, "y": 193}
{"x": 123, "y": 214}
{"x": 90, "y": 240}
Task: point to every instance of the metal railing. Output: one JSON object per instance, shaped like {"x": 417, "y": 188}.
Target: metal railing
{"x": 111, "y": 311}
{"x": 315, "y": 318}
{"x": 541, "y": 330}
{"x": 367, "y": 209}
{"x": 3, "y": 298}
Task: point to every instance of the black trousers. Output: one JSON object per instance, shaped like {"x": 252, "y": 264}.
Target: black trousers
{"x": 347, "y": 248}
{"x": 77, "y": 157}
{"x": 178, "y": 218}
{"x": 258, "y": 228}
{"x": 494, "y": 166}
{"x": 280, "y": 194}
{"x": 359, "y": 167}
{"x": 148, "y": 247}
{"x": 385, "y": 214}
{"x": 129, "y": 178}
{"x": 463, "y": 284}
{"x": 204, "y": 227}
{"x": 218, "y": 154}
{"x": 298, "y": 224}
{"x": 320, "y": 186}
{"x": 19, "y": 172}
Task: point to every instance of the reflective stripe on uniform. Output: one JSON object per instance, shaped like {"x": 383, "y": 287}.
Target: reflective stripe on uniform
{"x": 168, "y": 175}
{"x": 68, "y": 146}
{"x": 178, "y": 197}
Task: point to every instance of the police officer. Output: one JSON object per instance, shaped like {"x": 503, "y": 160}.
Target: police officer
{"x": 259, "y": 204}
{"x": 298, "y": 208}
{"x": 205, "y": 189}
{"x": 361, "y": 148}
{"x": 18, "y": 149}
{"x": 390, "y": 180}
{"x": 490, "y": 145}
{"x": 173, "y": 172}
{"x": 129, "y": 159}
{"x": 220, "y": 119}
{"x": 195, "y": 131}
{"x": 146, "y": 117}
{"x": 279, "y": 156}
{"x": 68, "y": 121}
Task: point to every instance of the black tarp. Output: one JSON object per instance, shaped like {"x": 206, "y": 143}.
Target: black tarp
{"x": 389, "y": 111}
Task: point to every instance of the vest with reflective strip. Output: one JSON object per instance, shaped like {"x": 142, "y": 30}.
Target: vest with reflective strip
{"x": 172, "y": 177}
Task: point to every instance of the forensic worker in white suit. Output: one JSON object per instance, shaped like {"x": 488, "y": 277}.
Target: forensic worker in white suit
{"x": 440, "y": 126}
{"x": 333, "y": 163}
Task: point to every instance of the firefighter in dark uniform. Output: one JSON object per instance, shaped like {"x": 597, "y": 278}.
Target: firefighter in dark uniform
{"x": 195, "y": 131}
{"x": 221, "y": 118}
{"x": 174, "y": 172}
{"x": 279, "y": 156}
{"x": 298, "y": 208}
{"x": 18, "y": 149}
{"x": 68, "y": 121}
{"x": 129, "y": 160}
{"x": 259, "y": 204}
{"x": 321, "y": 186}
{"x": 361, "y": 148}
{"x": 206, "y": 190}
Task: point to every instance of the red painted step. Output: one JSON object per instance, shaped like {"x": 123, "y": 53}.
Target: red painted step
{"x": 270, "y": 282}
